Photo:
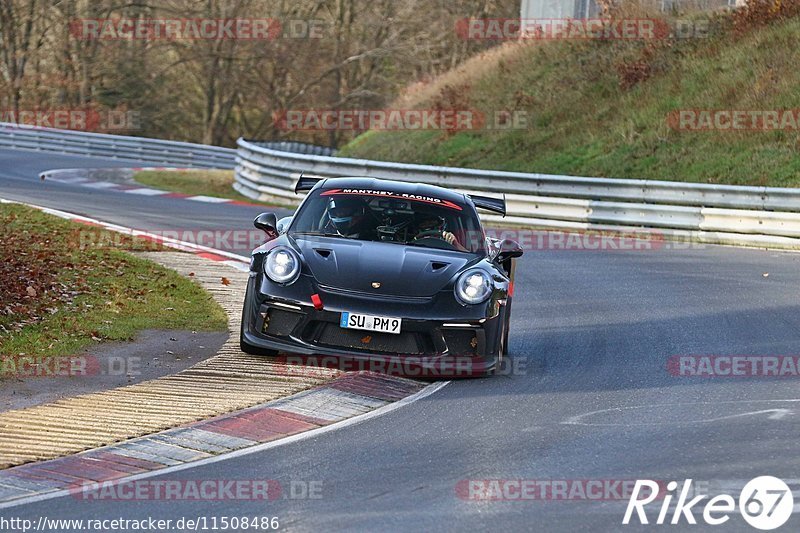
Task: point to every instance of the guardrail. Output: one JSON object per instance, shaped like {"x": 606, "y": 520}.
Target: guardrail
{"x": 269, "y": 171}
{"x": 295, "y": 147}
{"x": 170, "y": 153}
{"x": 724, "y": 213}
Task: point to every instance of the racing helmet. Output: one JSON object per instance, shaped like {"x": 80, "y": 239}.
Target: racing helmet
{"x": 431, "y": 222}
{"x": 345, "y": 212}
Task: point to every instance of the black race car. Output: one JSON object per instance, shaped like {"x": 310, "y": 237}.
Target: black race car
{"x": 396, "y": 275}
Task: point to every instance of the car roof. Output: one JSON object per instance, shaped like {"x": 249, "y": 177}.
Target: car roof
{"x": 402, "y": 187}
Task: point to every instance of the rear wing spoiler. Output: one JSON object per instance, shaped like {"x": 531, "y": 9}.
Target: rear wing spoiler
{"x": 496, "y": 205}
{"x": 306, "y": 183}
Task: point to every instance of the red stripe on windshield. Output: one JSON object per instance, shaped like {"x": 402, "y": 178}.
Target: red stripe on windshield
{"x": 443, "y": 203}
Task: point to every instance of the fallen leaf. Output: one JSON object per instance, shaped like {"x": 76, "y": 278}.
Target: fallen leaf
{"x": 31, "y": 291}
{"x": 226, "y": 281}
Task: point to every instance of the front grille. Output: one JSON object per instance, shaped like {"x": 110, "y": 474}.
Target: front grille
{"x": 281, "y": 323}
{"x": 369, "y": 341}
{"x": 460, "y": 341}
{"x": 376, "y": 295}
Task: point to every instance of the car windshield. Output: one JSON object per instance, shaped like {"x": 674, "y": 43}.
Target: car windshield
{"x": 388, "y": 216}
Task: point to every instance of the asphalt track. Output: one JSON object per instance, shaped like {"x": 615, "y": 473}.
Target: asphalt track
{"x": 591, "y": 331}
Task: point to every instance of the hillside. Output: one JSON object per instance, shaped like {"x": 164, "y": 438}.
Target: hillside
{"x": 601, "y": 108}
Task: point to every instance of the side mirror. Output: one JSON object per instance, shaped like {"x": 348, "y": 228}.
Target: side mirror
{"x": 508, "y": 249}
{"x": 267, "y": 222}
{"x": 283, "y": 225}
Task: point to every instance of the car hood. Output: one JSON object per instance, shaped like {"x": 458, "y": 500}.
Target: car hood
{"x": 400, "y": 270}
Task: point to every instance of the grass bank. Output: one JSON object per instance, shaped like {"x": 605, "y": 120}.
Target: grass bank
{"x": 602, "y": 107}
{"x": 65, "y": 286}
{"x": 216, "y": 183}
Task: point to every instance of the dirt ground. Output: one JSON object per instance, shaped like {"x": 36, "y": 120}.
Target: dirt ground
{"x": 154, "y": 353}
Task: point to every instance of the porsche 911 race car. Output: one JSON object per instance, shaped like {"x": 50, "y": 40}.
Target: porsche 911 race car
{"x": 382, "y": 271}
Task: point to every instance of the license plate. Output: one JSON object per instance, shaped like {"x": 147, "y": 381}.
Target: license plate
{"x": 371, "y": 323}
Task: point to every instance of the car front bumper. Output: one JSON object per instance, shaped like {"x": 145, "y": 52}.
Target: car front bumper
{"x": 440, "y": 338}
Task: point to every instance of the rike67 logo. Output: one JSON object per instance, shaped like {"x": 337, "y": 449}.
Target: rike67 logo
{"x": 764, "y": 502}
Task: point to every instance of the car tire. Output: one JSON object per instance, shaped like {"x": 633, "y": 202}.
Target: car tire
{"x": 506, "y": 328}
{"x": 502, "y": 347}
{"x": 498, "y": 360}
{"x": 501, "y": 352}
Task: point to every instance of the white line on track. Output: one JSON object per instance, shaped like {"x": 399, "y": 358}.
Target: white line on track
{"x": 100, "y": 184}
{"x": 209, "y": 199}
{"x": 776, "y": 414}
{"x": 144, "y": 191}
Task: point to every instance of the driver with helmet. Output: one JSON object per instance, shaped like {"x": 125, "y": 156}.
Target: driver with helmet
{"x": 431, "y": 226}
{"x": 347, "y": 215}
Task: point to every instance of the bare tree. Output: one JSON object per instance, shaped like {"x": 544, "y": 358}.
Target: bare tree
{"x": 17, "y": 22}
{"x": 214, "y": 90}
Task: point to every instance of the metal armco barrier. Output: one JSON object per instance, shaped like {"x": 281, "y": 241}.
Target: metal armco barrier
{"x": 169, "y": 153}
{"x": 295, "y": 147}
{"x": 724, "y": 213}
{"x": 268, "y": 171}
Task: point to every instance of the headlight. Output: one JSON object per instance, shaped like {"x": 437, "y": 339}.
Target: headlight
{"x": 282, "y": 265}
{"x": 473, "y": 287}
